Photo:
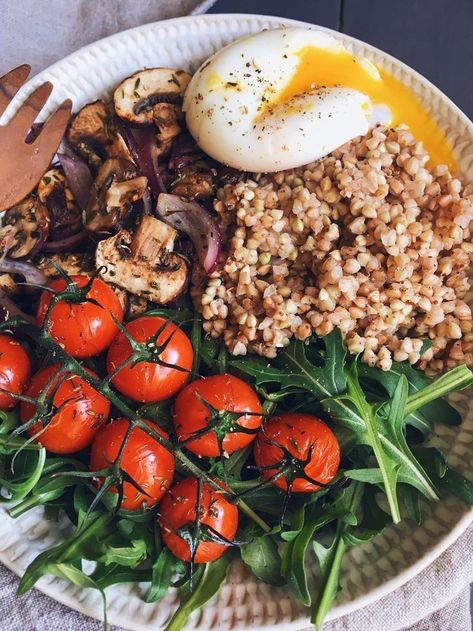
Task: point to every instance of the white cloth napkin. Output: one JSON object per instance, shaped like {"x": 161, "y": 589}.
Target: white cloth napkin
{"x": 40, "y": 32}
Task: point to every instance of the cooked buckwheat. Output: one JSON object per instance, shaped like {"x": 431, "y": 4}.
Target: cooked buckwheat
{"x": 370, "y": 239}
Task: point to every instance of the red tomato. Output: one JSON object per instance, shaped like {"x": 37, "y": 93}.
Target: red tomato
{"x": 83, "y": 329}
{"x": 81, "y": 411}
{"x": 225, "y": 393}
{"x": 149, "y": 464}
{"x": 178, "y": 510}
{"x": 147, "y": 381}
{"x": 15, "y": 370}
{"x": 295, "y": 439}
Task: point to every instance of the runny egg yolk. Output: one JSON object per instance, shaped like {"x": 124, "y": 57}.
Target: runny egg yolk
{"x": 335, "y": 67}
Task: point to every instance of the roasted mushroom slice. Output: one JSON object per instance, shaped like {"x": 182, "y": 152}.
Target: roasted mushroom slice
{"x": 115, "y": 189}
{"x": 31, "y": 222}
{"x": 193, "y": 184}
{"x": 193, "y": 173}
{"x": 138, "y": 99}
{"x": 94, "y": 135}
{"x": 66, "y": 216}
{"x": 72, "y": 263}
{"x": 143, "y": 263}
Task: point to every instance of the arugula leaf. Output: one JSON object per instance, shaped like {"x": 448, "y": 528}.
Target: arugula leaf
{"x": 297, "y": 523}
{"x": 382, "y": 427}
{"x": 293, "y": 564}
{"x": 292, "y": 368}
{"x": 423, "y": 418}
{"x": 77, "y": 577}
{"x": 370, "y": 433}
{"x": 104, "y": 576}
{"x": 8, "y": 420}
{"x": 411, "y": 499}
{"x": 27, "y": 472}
{"x": 164, "y": 567}
{"x": 209, "y": 584}
{"x": 456, "y": 379}
{"x": 66, "y": 552}
{"x": 46, "y": 490}
{"x": 265, "y": 500}
{"x": 330, "y": 559}
{"x": 210, "y": 351}
{"x": 128, "y": 556}
{"x": 448, "y": 480}
{"x": 261, "y": 555}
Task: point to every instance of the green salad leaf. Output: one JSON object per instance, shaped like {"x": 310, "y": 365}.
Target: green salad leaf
{"x": 261, "y": 555}
{"x": 293, "y": 371}
{"x": 208, "y": 585}
{"x": 164, "y": 567}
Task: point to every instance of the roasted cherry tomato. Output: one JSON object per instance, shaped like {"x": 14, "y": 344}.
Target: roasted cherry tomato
{"x": 302, "y": 441}
{"x": 80, "y": 411}
{"x": 212, "y": 402}
{"x": 178, "y": 511}
{"x": 148, "y": 381}
{"x": 86, "y": 328}
{"x": 147, "y": 462}
{"x": 15, "y": 370}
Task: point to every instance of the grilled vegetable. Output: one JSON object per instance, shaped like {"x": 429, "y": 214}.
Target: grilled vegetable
{"x": 78, "y": 177}
{"x": 144, "y": 263}
{"x": 139, "y": 98}
{"x": 94, "y": 135}
{"x": 31, "y": 223}
{"x": 30, "y": 272}
{"x": 197, "y": 222}
{"x": 115, "y": 189}
{"x": 72, "y": 263}
{"x": 66, "y": 216}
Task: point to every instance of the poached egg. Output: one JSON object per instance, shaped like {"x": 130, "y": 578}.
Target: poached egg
{"x": 282, "y": 98}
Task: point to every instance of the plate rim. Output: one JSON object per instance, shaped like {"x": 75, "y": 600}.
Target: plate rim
{"x": 61, "y": 596}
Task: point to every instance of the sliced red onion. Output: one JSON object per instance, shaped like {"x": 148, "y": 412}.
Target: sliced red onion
{"x": 78, "y": 177}
{"x": 66, "y": 244}
{"x": 142, "y": 145}
{"x": 197, "y": 222}
{"x": 31, "y": 273}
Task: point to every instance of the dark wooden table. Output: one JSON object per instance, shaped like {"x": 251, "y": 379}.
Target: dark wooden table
{"x": 432, "y": 36}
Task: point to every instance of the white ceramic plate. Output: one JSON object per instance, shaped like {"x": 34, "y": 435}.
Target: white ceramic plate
{"x": 370, "y": 571}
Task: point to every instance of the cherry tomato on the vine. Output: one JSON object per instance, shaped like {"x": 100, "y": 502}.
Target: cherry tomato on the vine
{"x": 215, "y": 402}
{"x": 218, "y": 519}
{"x": 150, "y": 381}
{"x": 80, "y": 411}
{"x": 147, "y": 463}
{"x": 302, "y": 441}
{"x": 86, "y": 328}
{"x": 15, "y": 370}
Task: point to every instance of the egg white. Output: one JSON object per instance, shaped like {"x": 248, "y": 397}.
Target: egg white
{"x": 229, "y": 113}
